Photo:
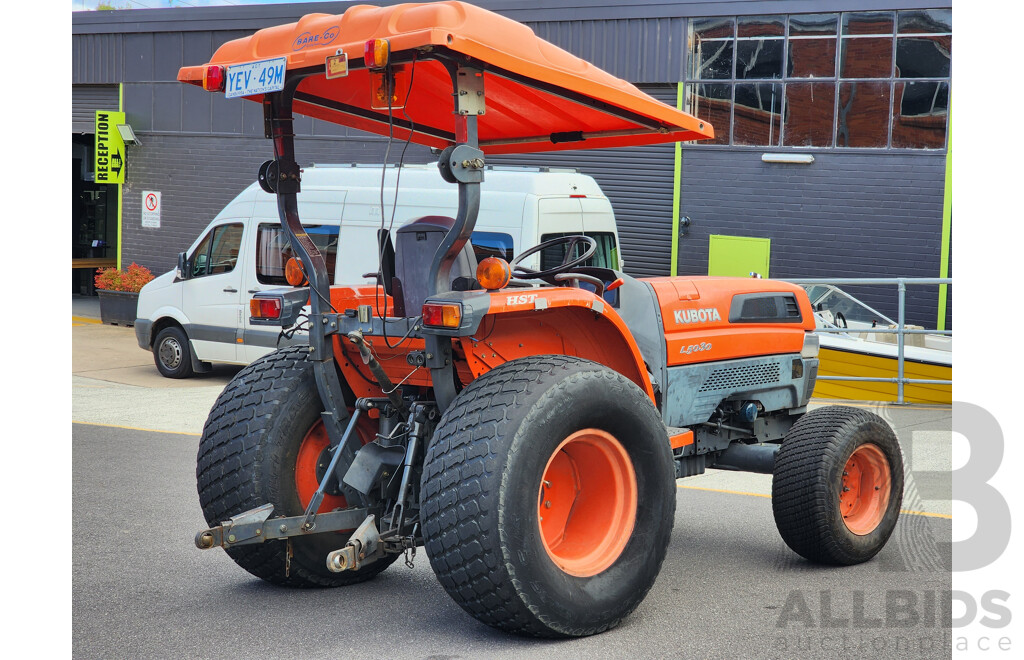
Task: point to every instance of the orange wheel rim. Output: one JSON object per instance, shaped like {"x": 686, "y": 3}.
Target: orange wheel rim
{"x": 864, "y": 492}
{"x": 587, "y": 502}
{"x": 313, "y": 459}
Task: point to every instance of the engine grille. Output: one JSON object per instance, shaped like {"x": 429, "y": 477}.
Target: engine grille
{"x": 740, "y": 377}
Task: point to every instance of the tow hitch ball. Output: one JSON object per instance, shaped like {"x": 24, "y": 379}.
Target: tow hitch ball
{"x": 360, "y": 549}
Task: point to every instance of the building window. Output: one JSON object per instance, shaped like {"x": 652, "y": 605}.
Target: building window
{"x": 871, "y": 79}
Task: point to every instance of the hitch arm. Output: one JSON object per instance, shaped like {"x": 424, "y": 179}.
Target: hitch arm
{"x": 256, "y": 526}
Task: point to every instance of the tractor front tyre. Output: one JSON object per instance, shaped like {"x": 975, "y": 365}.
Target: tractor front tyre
{"x": 548, "y": 497}
{"x": 838, "y": 485}
{"x": 262, "y": 443}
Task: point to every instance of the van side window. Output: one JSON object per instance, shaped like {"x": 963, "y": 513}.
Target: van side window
{"x": 273, "y": 250}
{"x": 491, "y": 244}
{"x": 606, "y": 256}
{"x": 217, "y": 252}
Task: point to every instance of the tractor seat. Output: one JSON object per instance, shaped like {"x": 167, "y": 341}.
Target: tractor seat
{"x": 416, "y": 242}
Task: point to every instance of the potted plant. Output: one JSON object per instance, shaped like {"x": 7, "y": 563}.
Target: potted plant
{"x": 119, "y": 292}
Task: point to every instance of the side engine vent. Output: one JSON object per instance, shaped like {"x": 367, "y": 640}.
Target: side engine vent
{"x": 765, "y": 308}
{"x": 741, "y": 377}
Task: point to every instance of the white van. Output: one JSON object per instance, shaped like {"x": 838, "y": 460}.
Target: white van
{"x": 203, "y": 317}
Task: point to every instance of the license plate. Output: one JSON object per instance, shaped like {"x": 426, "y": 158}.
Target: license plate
{"x": 255, "y": 78}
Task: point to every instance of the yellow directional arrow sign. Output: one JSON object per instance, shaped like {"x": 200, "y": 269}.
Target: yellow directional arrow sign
{"x": 110, "y": 154}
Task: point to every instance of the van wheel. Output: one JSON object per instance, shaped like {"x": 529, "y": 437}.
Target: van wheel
{"x": 548, "y": 497}
{"x": 172, "y": 354}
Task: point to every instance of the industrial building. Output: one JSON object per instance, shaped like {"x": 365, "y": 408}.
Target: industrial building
{"x": 830, "y": 157}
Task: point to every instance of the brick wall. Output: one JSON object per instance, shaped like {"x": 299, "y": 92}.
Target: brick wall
{"x": 845, "y": 215}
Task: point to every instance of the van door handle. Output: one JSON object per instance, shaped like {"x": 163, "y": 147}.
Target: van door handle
{"x": 254, "y": 290}
{"x": 230, "y": 290}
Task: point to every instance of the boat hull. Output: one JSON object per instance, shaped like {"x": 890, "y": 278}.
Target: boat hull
{"x": 863, "y": 364}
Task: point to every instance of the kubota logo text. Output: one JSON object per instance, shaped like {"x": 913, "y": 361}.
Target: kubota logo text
{"x": 697, "y": 315}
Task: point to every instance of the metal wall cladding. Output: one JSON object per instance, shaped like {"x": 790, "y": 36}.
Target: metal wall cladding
{"x": 847, "y": 214}
{"x": 86, "y": 100}
{"x": 638, "y": 181}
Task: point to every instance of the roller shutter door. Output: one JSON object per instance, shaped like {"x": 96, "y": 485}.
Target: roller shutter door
{"x": 86, "y": 100}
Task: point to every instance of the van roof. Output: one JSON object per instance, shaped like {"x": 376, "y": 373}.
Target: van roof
{"x": 539, "y": 181}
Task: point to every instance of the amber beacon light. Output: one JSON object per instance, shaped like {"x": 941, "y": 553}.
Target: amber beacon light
{"x": 493, "y": 273}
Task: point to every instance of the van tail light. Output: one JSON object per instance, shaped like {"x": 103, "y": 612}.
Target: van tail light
{"x": 265, "y": 308}
{"x": 213, "y": 78}
{"x": 440, "y": 315}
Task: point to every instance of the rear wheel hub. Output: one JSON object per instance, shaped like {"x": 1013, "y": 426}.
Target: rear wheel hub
{"x": 587, "y": 502}
{"x": 864, "y": 494}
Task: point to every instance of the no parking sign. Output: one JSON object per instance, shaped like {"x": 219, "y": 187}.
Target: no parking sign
{"x": 151, "y": 209}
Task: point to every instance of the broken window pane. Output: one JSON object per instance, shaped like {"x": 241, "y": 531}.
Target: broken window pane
{"x": 863, "y": 119}
{"x": 919, "y": 114}
{"x": 711, "y": 60}
{"x": 761, "y": 26}
{"x": 711, "y": 103}
{"x": 812, "y": 58}
{"x": 923, "y": 57}
{"x": 866, "y": 58}
{"x": 810, "y": 111}
{"x": 925, "y": 21}
{"x": 813, "y": 24}
{"x": 867, "y": 22}
{"x": 758, "y": 113}
{"x": 759, "y": 58}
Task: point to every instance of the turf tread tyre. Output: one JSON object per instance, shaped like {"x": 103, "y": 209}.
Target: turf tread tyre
{"x": 247, "y": 447}
{"x": 807, "y": 478}
{"x": 470, "y": 533}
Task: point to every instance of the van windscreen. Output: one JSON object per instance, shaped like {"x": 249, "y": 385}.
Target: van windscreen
{"x": 273, "y": 251}
{"x": 606, "y": 256}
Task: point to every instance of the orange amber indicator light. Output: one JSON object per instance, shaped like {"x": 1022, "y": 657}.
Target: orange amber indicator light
{"x": 293, "y": 273}
{"x": 442, "y": 316}
{"x": 265, "y": 308}
{"x": 493, "y": 273}
{"x": 376, "y": 52}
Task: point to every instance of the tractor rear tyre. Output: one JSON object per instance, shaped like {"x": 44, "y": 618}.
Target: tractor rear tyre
{"x": 548, "y": 497}
{"x": 838, "y": 485}
{"x": 262, "y": 443}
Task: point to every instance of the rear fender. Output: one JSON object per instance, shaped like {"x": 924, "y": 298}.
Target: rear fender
{"x": 553, "y": 321}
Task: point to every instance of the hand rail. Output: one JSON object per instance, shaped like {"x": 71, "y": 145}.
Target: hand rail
{"x": 900, "y": 330}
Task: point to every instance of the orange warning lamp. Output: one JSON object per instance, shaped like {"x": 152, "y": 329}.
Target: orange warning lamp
{"x": 376, "y": 53}
{"x": 293, "y": 273}
{"x": 493, "y": 273}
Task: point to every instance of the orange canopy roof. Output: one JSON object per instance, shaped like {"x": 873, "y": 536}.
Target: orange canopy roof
{"x": 538, "y": 96}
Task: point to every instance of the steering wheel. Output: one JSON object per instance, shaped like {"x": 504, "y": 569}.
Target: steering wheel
{"x": 568, "y": 263}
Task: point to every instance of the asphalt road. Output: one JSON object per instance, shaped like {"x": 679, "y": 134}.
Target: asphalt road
{"x": 729, "y": 588}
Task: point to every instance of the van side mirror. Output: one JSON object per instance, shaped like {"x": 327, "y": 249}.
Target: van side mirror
{"x": 182, "y": 272}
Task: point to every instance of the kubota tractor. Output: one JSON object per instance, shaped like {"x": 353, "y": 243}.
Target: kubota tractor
{"x": 526, "y": 425}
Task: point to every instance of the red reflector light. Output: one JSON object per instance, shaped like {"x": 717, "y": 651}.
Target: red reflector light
{"x": 376, "y": 52}
{"x": 265, "y": 308}
{"x": 442, "y": 316}
{"x": 213, "y": 78}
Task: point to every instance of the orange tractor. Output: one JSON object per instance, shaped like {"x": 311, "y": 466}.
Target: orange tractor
{"x": 525, "y": 423}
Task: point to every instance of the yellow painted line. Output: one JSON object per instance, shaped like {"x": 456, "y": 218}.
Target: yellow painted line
{"x": 135, "y": 428}
{"x": 740, "y": 492}
{"x": 84, "y": 319}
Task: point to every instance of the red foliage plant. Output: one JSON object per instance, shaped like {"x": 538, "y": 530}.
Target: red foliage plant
{"x": 131, "y": 279}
